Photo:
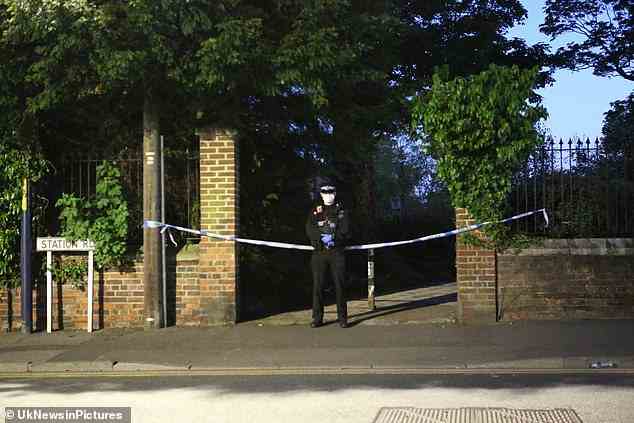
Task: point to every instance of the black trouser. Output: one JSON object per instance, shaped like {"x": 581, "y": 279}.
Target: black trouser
{"x": 321, "y": 263}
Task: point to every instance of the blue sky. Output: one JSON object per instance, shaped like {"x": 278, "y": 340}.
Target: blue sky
{"x": 576, "y": 101}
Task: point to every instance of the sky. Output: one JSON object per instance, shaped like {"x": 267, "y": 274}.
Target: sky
{"x": 576, "y": 101}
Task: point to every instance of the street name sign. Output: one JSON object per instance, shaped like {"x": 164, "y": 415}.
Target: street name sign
{"x": 50, "y": 244}
{"x": 63, "y": 244}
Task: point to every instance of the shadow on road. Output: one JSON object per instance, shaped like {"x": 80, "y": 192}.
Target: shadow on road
{"x": 219, "y": 385}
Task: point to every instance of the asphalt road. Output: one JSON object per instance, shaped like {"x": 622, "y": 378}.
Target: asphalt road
{"x": 325, "y": 398}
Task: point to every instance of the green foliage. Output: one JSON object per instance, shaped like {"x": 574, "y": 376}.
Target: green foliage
{"x": 69, "y": 269}
{"x": 103, "y": 219}
{"x": 603, "y": 29}
{"x": 481, "y": 130}
{"x": 338, "y": 71}
{"x": 48, "y": 41}
{"x": 180, "y": 49}
{"x": 618, "y": 128}
{"x": 15, "y": 165}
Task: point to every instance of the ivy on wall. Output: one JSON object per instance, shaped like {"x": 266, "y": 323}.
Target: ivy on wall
{"x": 102, "y": 219}
{"x": 481, "y": 130}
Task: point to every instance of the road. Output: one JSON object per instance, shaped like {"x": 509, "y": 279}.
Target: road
{"x": 326, "y": 398}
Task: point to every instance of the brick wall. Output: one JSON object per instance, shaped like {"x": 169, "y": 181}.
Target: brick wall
{"x": 11, "y": 309}
{"x": 568, "y": 279}
{"x": 201, "y": 289}
{"x": 117, "y": 299}
{"x": 476, "y": 278}
{"x": 117, "y": 302}
{"x": 121, "y": 302}
{"x": 218, "y": 267}
{"x": 183, "y": 307}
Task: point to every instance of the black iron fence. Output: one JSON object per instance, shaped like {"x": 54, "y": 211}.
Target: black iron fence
{"x": 182, "y": 196}
{"x": 586, "y": 186}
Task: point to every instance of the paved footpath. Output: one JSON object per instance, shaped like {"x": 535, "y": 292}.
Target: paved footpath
{"x": 434, "y": 304}
{"x": 364, "y": 348}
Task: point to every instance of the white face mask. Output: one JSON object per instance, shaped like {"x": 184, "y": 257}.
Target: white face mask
{"x": 329, "y": 199}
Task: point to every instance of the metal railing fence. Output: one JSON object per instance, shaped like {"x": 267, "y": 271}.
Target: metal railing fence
{"x": 182, "y": 175}
{"x": 587, "y": 188}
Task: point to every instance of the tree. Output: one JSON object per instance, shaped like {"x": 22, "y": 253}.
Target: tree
{"x": 618, "y": 139}
{"x": 201, "y": 55}
{"x": 606, "y": 35}
{"x": 618, "y": 126}
{"x": 465, "y": 36}
{"x": 339, "y": 73}
{"x": 86, "y": 67}
{"x": 482, "y": 129}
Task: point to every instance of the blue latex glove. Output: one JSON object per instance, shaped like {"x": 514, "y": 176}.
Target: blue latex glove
{"x": 328, "y": 240}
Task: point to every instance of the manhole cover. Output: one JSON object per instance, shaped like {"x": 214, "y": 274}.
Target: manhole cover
{"x": 474, "y": 415}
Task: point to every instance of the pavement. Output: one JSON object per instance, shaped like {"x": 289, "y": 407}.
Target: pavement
{"x": 435, "y": 304}
{"x": 408, "y": 332}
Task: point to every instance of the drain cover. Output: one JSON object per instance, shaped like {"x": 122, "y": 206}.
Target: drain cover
{"x": 474, "y": 415}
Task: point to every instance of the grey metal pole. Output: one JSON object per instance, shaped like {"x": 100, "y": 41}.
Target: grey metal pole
{"x": 371, "y": 304}
{"x": 163, "y": 235}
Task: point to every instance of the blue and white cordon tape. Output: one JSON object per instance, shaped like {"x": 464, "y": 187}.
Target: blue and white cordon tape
{"x": 166, "y": 227}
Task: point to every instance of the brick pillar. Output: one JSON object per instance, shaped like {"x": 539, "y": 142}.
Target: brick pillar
{"x": 218, "y": 260}
{"x": 476, "y": 277}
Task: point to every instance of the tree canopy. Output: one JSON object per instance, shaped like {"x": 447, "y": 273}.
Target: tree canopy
{"x": 204, "y": 56}
{"x": 605, "y": 32}
{"x": 618, "y": 138}
{"x": 308, "y": 84}
{"x": 217, "y": 59}
{"x": 618, "y": 126}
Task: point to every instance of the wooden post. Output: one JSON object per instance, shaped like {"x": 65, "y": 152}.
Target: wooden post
{"x": 151, "y": 211}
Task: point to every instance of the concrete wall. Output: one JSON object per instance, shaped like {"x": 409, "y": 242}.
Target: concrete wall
{"x": 568, "y": 279}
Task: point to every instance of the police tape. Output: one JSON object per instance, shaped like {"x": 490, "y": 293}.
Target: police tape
{"x": 164, "y": 226}
{"x": 152, "y": 224}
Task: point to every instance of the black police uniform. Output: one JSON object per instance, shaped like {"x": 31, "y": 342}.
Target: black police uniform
{"x": 328, "y": 220}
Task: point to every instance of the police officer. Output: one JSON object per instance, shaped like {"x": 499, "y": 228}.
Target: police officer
{"x": 327, "y": 228}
